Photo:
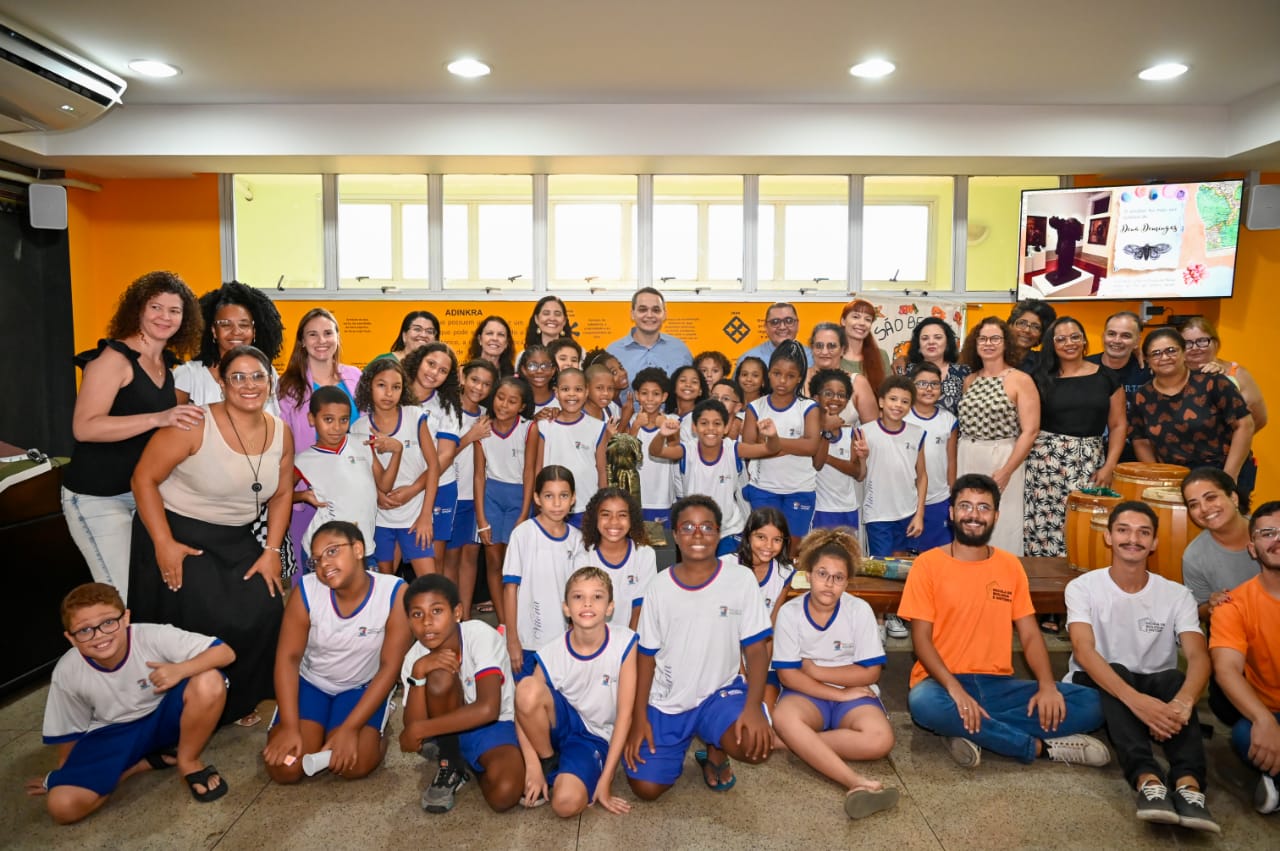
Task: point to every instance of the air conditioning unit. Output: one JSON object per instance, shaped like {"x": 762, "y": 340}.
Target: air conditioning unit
{"x": 47, "y": 87}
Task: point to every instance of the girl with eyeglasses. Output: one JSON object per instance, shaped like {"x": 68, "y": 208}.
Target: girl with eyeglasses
{"x": 539, "y": 372}
{"x": 1214, "y": 427}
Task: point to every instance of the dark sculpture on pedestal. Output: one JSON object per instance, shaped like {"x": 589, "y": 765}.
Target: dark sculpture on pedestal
{"x": 1069, "y": 233}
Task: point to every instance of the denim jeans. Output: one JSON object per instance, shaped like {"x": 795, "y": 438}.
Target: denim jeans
{"x": 102, "y": 526}
{"x": 1010, "y": 731}
{"x": 1241, "y": 732}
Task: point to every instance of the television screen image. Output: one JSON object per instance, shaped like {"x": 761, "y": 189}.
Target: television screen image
{"x": 1149, "y": 241}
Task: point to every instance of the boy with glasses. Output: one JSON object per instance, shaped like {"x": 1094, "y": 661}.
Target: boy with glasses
{"x": 941, "y": 437}
{"x": 125, "y": 699}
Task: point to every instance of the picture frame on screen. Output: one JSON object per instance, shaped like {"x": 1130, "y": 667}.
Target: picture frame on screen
{"x": 1137, "y": 241}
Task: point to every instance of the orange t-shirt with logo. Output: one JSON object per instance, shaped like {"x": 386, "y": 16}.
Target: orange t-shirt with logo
{"x": 972, "y": 606}
{"x": 1248, "y": 623}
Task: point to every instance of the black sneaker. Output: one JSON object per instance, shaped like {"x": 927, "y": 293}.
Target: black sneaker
{"x": 439, "y": 796}
{"x": 1192, "y": 811}
{"x": 1154, "y": 804}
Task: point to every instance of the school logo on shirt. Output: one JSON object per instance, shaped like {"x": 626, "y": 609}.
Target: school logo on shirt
{"x": 837, "y": 646}
{"x": 725, "y": 612}
{"x": 632, "y": 579}
{"x": 351, "y": 459}
{"x": 578, "y": 444}
{"x": 793, "y": 432}
{"x": 723, "y": 478}
{"x": 144, "y": 683}
{"x": 998, "y": 594}
{"x": 1148, "y": 625}
{"x": 607, "y": 680}
{"x": 366, "y": 631}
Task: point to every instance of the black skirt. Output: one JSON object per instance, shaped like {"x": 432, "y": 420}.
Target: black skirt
{"x": 215, "y": 599}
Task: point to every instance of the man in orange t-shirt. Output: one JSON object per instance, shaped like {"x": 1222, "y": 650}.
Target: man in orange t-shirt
{"x": 1244, "y": 642}
{"x": 963, "y": 601}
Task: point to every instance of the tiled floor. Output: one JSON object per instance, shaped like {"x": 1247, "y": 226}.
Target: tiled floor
{"x": 781, "y": 804}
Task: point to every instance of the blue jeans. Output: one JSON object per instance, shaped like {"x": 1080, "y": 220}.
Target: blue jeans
{"x": 1241, "y": 732}
{"x": 1009, "y": 731}
{"x": 102, "y": 527}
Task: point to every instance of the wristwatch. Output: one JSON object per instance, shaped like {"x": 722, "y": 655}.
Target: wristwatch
{"x": 416, "y": 683}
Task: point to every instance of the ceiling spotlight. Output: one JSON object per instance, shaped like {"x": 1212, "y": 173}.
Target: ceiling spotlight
{"x": 154, "y": 68}
{"x": 468, "y": 68}
{"x": 872, "y": 69}
{"x": 66, "y": 107}
{"x": 1163, "y": 71}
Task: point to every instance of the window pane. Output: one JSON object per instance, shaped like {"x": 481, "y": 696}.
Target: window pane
{"x": 278, "y": 230}
{"x": 413, "y": 236}
{"x": 815, "y": 242}
{"x": 991, "y": 257}
{"x": 592, "y": 230}
{"x": 724, "y": 242}
{"x": 766, "y": 233}
{"x": 675, "y": 241}
{"x": 489, "y": 235}
{"x": 906, "y": 223}
{"x": 372, "y": 235}
{"x": 809, "y": 225}
{"x": 895, "y": 243}
{"x": 364, "y": 242}
{"x": 702, "y": 244}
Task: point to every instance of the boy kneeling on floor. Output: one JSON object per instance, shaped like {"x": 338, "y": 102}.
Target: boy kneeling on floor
{"x": 120, "y": 701}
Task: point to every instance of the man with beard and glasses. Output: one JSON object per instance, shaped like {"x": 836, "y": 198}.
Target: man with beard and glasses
{"x": 1245, "y": 646}
{"x": 1126, "y": 626}
{"x": 963, "y": 601}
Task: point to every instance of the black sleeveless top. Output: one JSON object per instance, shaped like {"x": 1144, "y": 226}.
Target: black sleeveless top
{"x": 104, "y": 469}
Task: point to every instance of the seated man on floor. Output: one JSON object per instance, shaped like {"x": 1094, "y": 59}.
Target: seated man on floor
{"x": 1126, "y": 625}
{"x": 128, "y": 698}
{"x": 1245, "y": 647}
{"x": 963, "y": 601}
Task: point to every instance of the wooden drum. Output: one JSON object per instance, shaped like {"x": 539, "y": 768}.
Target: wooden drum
{"x": 1134, "y": 477}
{"x": 1174, "y": 534}
{"x": 1081, "y": 509}
{"x": 1099, "y": 552}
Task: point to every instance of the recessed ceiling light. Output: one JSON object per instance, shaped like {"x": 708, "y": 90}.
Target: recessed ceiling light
{"x": 468, "y": 68}
{"x": 1163, "y": 71}
{"x": 66, "y": 107}
{"x": 154, "y": 68}
{"x": 872, "y": 68}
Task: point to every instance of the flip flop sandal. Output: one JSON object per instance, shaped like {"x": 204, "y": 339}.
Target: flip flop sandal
{"x": 719, "y": 769}
{"x": 155, "y": 759}
{"x": 861, "y": 803}
{"x": 253, "y": 719}
{"x": 202, "y": 777}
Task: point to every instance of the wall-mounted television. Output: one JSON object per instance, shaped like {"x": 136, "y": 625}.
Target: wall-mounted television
{"x": 1141, "y": 241}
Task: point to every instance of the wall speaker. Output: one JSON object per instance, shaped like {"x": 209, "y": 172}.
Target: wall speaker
{"x": 48, "y": 206}
{"x": 1264, "y": 207}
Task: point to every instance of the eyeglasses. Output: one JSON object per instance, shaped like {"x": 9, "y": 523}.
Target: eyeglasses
{"x": 990, "y": 341}
{"x": 838, "y": 395}
{"x": 1028, "y": 325}
{"x": 971, "y": 508}
{"x": 328, "y": 554}
{"x": 1202, "y": 343}
{"x": 423, "y": 329}
{"x": 704, "y": 528}
{"x": 824, "y": 578}
{"x": 239, "y": 379}
{"x": 726, "y": 399}
{"x": 928, "y": 385}
{"x": 228, "y": 324}
{"x": 1270, "y": 533}
{"x": 1171, "y": 352}
{"x": 110, "y": 625}
{"x": 1068, "y": 338}
{"x": 824, "y": 347}
{"x": 782, "y": 321}
{"x": 539, "y": 367}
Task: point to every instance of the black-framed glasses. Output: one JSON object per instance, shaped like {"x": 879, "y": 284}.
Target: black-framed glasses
{"x": 1202, "y": 343}
{"x": 107, "y": 627}
{"x": 782, "y": 322}
{"x": 838, "y": 395}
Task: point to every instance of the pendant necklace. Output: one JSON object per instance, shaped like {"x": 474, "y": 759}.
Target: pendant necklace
{"x": 256, "y": 487}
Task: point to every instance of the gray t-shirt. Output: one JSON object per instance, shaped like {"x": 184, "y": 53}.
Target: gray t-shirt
{"x": 1207, "y": 566}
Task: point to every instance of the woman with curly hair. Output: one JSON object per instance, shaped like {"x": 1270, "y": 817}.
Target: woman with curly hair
{"x": 235, "y": 314}
{"x": 126, "y": 394}
{"x": 614, "y": 539}
{"x": 933, "y": 341}
{"x": 492, "y": 341}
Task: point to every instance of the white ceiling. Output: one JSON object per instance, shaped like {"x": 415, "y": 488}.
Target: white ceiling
{"x": 572, "y": 70}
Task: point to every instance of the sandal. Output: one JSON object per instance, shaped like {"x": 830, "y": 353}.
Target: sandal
{"x": 1049, "y": 626}
{"x": 860, "y": 803}
{"x": 155, "y": 759}
{"x": 202, "y": 777}
{"x": 485, "y": 608}
{"x": 253, "y": 719}
{"x": 718, "y": 770}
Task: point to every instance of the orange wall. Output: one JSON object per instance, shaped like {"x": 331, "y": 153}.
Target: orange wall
{"x": 134, "y": 226}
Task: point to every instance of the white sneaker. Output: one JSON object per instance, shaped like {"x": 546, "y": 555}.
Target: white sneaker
{"x": 1266, "y": 798}
{"x": 894, "y": 627}
{"x": 965, "y": 752}
{"x": 1078, "y": 750}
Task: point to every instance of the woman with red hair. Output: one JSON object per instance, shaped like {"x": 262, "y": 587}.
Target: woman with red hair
{"x": 861, "y": 354}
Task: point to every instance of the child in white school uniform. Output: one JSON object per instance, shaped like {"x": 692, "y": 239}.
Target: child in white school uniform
{"x": 614, "y": 540}
{"x": 941, "y": 438}
{"x": 650, "y": 390}
{"x": 897, "y": 482}
{"x": 573, "y": 439}
{"x": 839, "y": 468}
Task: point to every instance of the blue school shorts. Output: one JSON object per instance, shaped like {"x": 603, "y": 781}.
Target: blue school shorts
{"x": 833, "y": 711}
{"x": 100, "y": 756}
{"x": 582, "y": 753}
{"x": 657, "y": 515}
{"x": 834, "y": 519}
{"x": 796, "y": 507}
{"x": 385, "y": 540}
{"x": 673, "y": 733}
{"x": 937, "y": 527}
{"x": 526, "y": 668}
{"x": 464, "y": 524}
{"x": 502, "y": 508}
{"x": 479, "y": 741}
{"x": 575, "y": 520}
{"x": 330, "y": 710}
{"x": 442, "y": 512}
{"x": 729, "y": 545}
{"x": 886, "y": 537}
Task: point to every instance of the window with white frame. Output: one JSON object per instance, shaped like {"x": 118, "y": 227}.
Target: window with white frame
{"x": 488, "y": 232}
{"x": 697, "y": 232}
{"x": 382, "y": 231}
{"x": 592, "y": 231}
{"x": 906, "y": 232}
{"x": 804, "y": 220}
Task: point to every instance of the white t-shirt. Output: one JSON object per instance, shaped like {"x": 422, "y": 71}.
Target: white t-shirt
{"x": 573, "y": 445}
{"x": 194, "y": 379}
{"x": 504, "y": 453}
{"x": 464, "y": 463}
{"x": 1139, "y": 631}
{"x": 589, "y": 683}
{"x": 343, "y": 653}
{"x": 540, "y": 565}
{"x": 412, "y": 465}
{"x": 891, "y": 471}
{"x": 937, "y": 433}
{"x": 836, "y": 490}
{"x": 719, "y": 479}
{"x": 657, "y": 475}
{"x": 444, "y": 426}
{"x": 629, "y": 577}
{"x": 343, "y": 480}
{"x": 850, "y": 637}
{"x": 84, "y": 697}
{"x": 484, "y": 654}
{"x": 697, "y": 634}
{"x": 784, "y": 473}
